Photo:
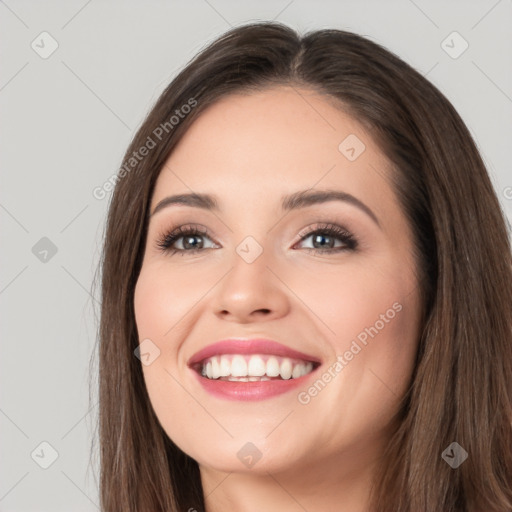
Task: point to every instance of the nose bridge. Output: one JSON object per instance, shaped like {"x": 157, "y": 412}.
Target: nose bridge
{"x": 249, "y": 272}
{"x": 250, "y": 287}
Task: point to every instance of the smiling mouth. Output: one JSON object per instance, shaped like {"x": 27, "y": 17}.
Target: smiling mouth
{"x": 253, "y": 368}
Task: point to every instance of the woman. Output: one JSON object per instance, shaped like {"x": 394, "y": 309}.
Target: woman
{"x": 306, "y": 291}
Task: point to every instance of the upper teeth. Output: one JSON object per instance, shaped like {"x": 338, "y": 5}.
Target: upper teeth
{"x": 254, "y": 366}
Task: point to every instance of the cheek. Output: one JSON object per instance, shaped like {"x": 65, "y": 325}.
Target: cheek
{"x": 161, "y": 303}
{"x": 163, "y": 298}
{"x": 153, "y": 305}
{"x": 370, "y": 316}
{"x": 377, "y": 337}
{"x": 358, "y": 299}
{"x": 159, "y": 312}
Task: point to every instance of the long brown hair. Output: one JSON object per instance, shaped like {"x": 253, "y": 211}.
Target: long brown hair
{"x": 461, "y": 390}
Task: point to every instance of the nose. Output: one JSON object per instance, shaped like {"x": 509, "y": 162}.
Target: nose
{"x": 251, "y": 292}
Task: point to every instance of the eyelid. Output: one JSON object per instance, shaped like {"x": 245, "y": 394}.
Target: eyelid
{"x": 180, "y": 231}
{"x": 321, "y": 226}
{"x": 333, "y": 229}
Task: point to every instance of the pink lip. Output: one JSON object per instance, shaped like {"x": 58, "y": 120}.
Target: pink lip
{"x": 244, "y": 391}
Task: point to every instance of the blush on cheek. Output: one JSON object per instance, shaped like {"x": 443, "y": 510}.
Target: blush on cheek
{"x": 157, "y": 306}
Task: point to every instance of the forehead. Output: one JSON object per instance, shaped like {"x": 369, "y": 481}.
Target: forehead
{"x": 277, "y": 119}
{"x": 275, "y": 141}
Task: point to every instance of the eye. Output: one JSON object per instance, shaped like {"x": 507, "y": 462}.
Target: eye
{"x": 189, "y": 238}
{"x": 325, "y": 237}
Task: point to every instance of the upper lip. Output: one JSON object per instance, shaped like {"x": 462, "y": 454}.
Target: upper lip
{"x": 249, "y": 346}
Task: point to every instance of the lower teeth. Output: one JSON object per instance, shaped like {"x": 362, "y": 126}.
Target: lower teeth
{"x": 246, "y": 379}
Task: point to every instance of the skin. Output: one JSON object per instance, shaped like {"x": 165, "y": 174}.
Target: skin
{"x": 249, "y": 150}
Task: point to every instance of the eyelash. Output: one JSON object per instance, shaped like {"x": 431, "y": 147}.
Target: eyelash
{"x": 166, "y": 240}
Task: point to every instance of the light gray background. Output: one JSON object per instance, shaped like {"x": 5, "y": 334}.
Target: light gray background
{"x": 65, "y": 123}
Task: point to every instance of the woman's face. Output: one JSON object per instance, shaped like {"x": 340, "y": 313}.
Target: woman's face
{"x": 329, "y": 279}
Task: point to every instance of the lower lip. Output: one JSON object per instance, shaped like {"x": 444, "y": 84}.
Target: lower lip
{"x": 245, "y": 391}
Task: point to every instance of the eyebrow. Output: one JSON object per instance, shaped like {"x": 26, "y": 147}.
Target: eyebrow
{"x": 290, "y": 202}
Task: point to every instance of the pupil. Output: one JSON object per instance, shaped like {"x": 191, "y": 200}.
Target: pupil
{"x": 188, "y": 242}
{"x": 321, "y": 237}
